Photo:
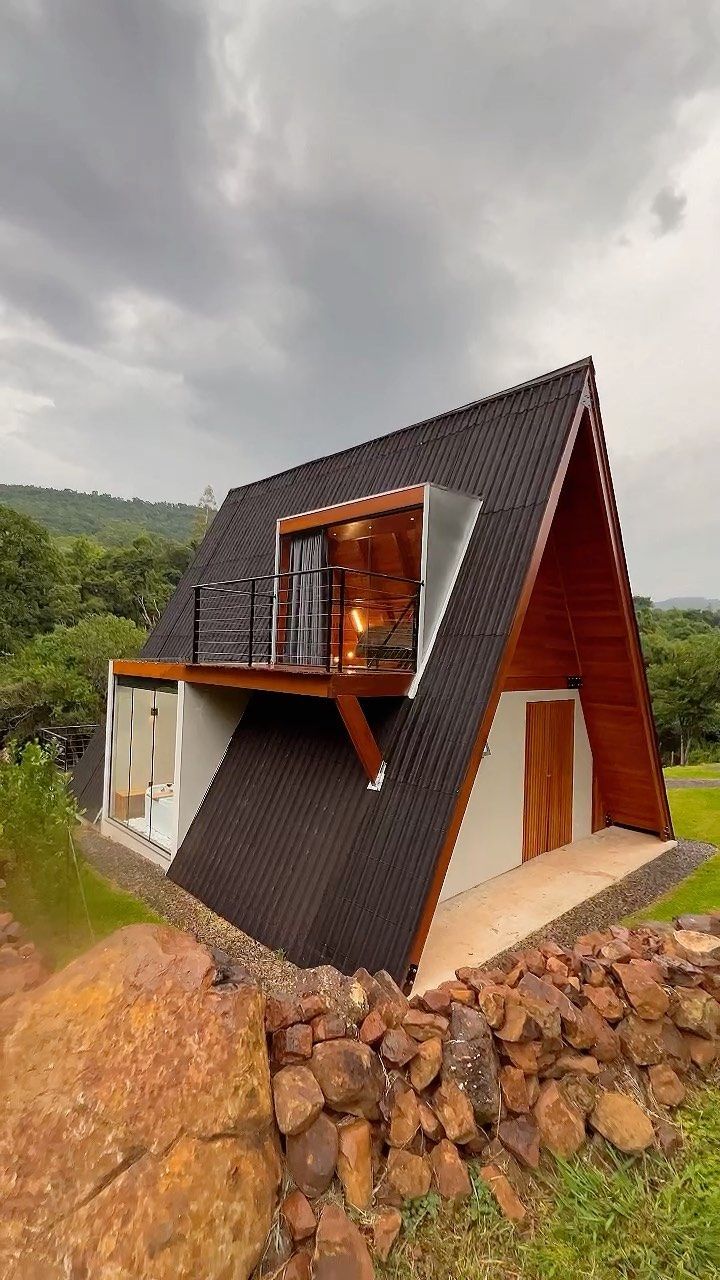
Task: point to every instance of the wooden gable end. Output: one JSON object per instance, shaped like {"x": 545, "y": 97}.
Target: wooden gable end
{"x": 614, "y": 692}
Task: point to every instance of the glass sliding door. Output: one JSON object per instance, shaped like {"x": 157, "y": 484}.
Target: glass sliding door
{"x": 142, "y": 782}
{"x": 161, "y": 807}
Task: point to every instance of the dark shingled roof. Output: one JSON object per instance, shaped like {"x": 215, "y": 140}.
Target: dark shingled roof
{"x": 289, "y": 843}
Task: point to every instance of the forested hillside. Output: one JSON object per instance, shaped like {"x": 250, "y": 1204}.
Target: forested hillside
{"x": 110, "y": 521}
{"x": 682, "y": 654}
{"x": 69, "y": 603}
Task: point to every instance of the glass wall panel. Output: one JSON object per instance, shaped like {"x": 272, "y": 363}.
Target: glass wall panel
{"x": 119, "y": 802}
{"x": 162, "y": 793}
{"x": 142, "y": 794}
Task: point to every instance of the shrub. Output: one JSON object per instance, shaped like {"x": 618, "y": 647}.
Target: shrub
{"x": 37, "y": 815}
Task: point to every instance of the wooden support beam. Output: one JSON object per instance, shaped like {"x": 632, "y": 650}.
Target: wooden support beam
{"x": 360, "y": 733}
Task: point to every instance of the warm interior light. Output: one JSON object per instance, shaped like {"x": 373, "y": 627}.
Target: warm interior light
{"x": 350, "y": 653}
{"x": 357, "y": 620}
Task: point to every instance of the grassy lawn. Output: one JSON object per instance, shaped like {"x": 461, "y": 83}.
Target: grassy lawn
{"x": 599, "y": 1217}
{"x": 693, "y": 771}
{"x": 696, "y": 816}
{"x": 57, "y": 921}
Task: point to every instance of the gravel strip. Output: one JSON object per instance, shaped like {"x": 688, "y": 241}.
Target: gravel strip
{"x": 631, "y": 894}
{"x": 681, "y": 783}
{"x": 130, "y": 871}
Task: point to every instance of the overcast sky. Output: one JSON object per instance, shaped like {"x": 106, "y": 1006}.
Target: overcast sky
{"x": 235, "y": 235}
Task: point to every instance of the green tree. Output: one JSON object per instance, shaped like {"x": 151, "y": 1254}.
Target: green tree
{"x": 206, "y": 512}
{"x": 28, "y": 576}
{"x": 61, "y": 677}
{"x": 136, "y": 580}
{"x": 685, "y": 686}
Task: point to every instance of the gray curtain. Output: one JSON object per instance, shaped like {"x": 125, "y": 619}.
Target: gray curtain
{"x": 307, "y": 601}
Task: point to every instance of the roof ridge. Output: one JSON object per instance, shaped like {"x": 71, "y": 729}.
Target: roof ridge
{"x": 584, "y": 362}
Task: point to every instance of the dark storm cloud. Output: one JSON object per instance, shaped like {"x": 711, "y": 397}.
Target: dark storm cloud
{"x": 669, "y": 209}
{"x": 249, "y": 233}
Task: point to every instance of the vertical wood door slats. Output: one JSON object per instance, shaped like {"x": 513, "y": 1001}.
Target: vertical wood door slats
{"x": 549, "y": 755}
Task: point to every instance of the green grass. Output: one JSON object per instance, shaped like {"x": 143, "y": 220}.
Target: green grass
{"x": 696, "y": 816}
{"x": 58, "y": 923}
{"x": 599, "y": 1217}
{"x": 693, "y": 771}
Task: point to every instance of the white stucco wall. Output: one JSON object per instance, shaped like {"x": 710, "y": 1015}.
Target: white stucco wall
{"x": 490, "y": 838}
{"x": 207, "y": 719}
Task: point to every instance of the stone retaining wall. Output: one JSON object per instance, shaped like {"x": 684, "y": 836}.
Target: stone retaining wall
{"x": 539, "y": 1054}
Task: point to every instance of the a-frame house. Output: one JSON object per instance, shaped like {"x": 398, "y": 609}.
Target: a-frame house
{"x": 389, "y": 675}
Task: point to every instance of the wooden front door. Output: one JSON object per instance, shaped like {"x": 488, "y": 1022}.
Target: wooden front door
{"x": 549, "y": 750}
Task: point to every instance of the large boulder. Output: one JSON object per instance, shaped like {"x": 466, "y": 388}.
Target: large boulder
{"x": 470, "y": 1060}
{"x": 137, "y": 1135}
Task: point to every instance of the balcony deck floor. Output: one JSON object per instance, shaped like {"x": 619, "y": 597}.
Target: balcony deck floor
{"x": 308, "y": 681}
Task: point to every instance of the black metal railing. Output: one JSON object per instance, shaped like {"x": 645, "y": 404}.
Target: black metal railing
{"x": 331, "y": 619}
{"x": 67, "y": 741}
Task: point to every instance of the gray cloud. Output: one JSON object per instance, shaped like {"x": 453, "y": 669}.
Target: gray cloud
{"x": 232, "y": 237}
{"x": 669, "y": 209}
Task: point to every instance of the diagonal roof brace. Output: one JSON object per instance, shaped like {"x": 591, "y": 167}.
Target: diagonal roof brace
{"x": 360, "y": 734}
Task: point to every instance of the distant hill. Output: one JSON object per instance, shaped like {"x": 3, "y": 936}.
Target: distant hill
{"x": 687, "y": 602}
{"x": 65, "y": 512}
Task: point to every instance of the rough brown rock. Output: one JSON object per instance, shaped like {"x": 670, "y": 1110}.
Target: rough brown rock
{"x": 666, "y": 1085}
{"x": 454, "y": 1110}
{"x": 492, "y": 1002}
{"x": 281, "y": 1012}
{"x": 426, "y": 1063}
{"x": 404, "y": 1116}
{"x": 510, "y": 1204}
{"x": 521, "y": 1136}
{"x": 328, "y": 1026}
{"x": 644, "y": 993}
{"x": 312, "y": 1005}
{"x": 642, "y": 1041}
{"x": 622, "y": 1122}
{"x": 354, "y": 1162}
{"x": 518, "y": 1024}
{"x": 430, "y": 1123}
{"x": 700, "y": 923}
{"x": 137, "y": 1061}
{"x": 694, "y": 1010}
{"x": 292, "y": 1044}
{"x": 312, "y": 1156}
{"x": 702, "y": 1052}
{"x": 525, "y": 1056}
{"x": 561, "y": 1124}
{"x": 606, "y": 1001}
{"x": 513, "y": 1084}
{"x": 350, "y": 1076}
{"x": 539, "y": 989}
{"x": 408, "y": 1175}
{"x": 298, "y": 1099}
{"x": 386, "y": 1229}
{"x": 450, "y": 1172}
{"x": 297, "y": 1213}
{"x": 421, "y": 1025}
{"x": 340, "y": 1250}
{"x": 581, "y": 1063}
{"x": 299, "y": 1267}
{"x": 373, "y": 1028}
{"x": 398, "y": 1047}
{"x": 699, "y": 948}
{"x": 470, "y": 1059}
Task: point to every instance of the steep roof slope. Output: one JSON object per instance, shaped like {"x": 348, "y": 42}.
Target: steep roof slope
{"x": 289, "y": 843}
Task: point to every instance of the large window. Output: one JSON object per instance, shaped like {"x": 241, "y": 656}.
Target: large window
{"x": 142, "y": 782}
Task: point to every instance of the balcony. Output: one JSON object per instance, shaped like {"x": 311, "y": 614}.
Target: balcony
{"x": 331, "y": 620}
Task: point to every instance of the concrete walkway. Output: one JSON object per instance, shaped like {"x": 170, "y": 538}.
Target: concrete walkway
{"x": 478, "y": 924}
